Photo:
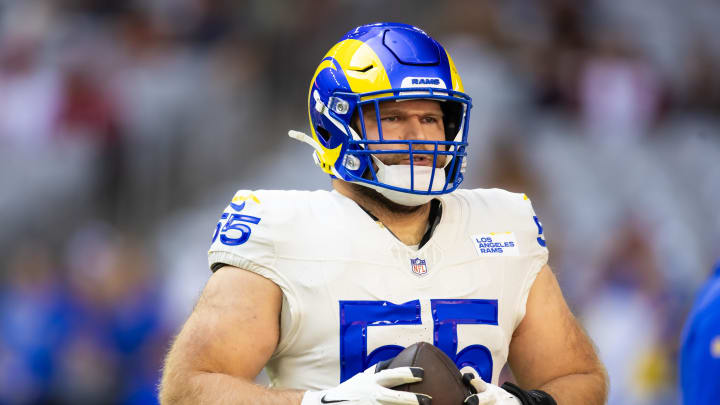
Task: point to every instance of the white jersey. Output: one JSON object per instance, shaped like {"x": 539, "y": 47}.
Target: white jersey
{"x": 355, "y": 295}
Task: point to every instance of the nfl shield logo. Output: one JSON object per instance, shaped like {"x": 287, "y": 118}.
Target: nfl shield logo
{"x": 418, "y": 266}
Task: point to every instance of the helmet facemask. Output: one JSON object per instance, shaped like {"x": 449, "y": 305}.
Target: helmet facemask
{"x": 407, "y": 171}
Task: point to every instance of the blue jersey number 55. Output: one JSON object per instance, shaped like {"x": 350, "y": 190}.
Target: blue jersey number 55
{"x": 447, "y": 314}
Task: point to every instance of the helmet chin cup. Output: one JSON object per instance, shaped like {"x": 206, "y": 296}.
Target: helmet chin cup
{"x": 411, "y": 184}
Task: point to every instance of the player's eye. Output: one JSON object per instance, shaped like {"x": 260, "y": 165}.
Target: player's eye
{"x": 390, "y": 118}
{"x": 430, "y": 119}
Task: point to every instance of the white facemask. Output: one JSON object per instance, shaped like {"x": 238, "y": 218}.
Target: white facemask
{"x": 399, "y": 176}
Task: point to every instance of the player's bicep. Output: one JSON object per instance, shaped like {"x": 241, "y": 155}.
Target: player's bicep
{"x": 549, "y": 342}
{"x": 234, "y": 327}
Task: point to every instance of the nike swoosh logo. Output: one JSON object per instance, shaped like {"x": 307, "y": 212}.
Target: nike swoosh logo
{"x": 331, "y": 401}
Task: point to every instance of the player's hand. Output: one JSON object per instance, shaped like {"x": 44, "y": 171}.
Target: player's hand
{"x": 486, "y": 393}
{"x": 372, "y": 387}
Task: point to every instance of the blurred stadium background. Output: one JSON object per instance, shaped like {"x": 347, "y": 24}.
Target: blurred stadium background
{"x": 126, "y": 126}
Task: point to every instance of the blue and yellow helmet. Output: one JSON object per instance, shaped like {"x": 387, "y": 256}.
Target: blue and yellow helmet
{"x": 375, "y": 63}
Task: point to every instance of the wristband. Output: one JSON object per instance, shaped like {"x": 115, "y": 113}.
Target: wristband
{"x": 534, "y": 397}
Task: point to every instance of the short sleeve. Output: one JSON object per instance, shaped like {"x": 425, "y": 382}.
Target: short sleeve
{"x": 532, "y": 236}
{"x": 242, "y": 236}
{"x": 245, "y": 237}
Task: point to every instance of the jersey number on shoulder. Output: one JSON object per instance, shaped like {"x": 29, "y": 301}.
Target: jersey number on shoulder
{"x": 540, "y": 239}
{"x": 231, "y": 227}
{"x": 447, "y": 314}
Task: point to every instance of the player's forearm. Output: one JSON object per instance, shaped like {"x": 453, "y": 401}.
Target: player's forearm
{"x": 220, "y": 389}
{"x": 589, "y": 388}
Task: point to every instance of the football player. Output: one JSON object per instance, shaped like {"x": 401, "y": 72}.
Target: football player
{"x": 700, "y": 349}
{"x": 318, "y": 287}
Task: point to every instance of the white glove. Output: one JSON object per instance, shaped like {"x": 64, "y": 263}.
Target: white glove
{"x": 371, "y": 388}
{"x": 488, "y": 394}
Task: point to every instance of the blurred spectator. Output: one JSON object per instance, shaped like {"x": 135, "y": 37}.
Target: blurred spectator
{"x": 34, "y": 324}
{"x": 625, "y": 315}
{"x": 118, "y": 337}
{"x": 87, "y": 115}
{"x": 619, "y": 94}
{"x": 29, "y": 86}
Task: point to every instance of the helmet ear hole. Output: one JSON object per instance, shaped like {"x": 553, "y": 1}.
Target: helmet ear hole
{"x": 323, "y": 133}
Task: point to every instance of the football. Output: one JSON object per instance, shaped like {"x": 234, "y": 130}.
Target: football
{"x": 442, "y": 379}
